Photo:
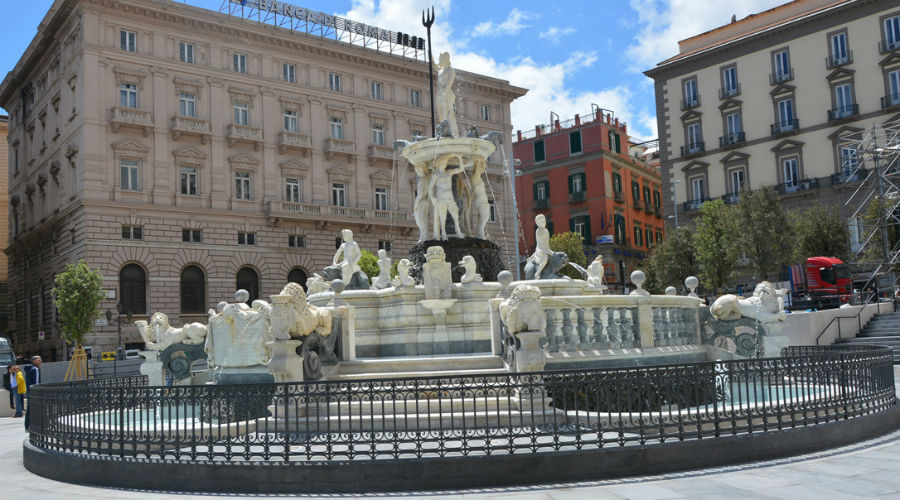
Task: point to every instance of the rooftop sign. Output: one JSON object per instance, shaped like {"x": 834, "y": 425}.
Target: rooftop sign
{"x": 327, "y": 26}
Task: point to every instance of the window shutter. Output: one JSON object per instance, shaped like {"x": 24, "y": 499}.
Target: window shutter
{"x": 583, "y": 182}
{"x": 570, "y": 184}
{"x": 571, "y": 225}
{"x": 550, "y": 228}
{"x": 587, "y": 229}
{"x": 534, "y": 188}
{"x": 618, "y": 144}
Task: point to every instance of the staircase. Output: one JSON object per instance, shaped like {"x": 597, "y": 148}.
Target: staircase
{"x": 403, "y": 367}
{"x": 882, "y": 329}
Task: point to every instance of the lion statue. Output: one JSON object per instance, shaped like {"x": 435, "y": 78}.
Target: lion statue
{"x": 766, "y": 305}
{"x": 158, "y": 335}
{"x": 301, "y": 318}
{"x": 522, "y": 311}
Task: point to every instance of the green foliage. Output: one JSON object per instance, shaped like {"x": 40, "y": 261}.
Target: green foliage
{"x": 671, "y": 261}
{"x": 368, "y": 262}
{"x": 820, "y": 231}
{"x": 764, "y": 232}
{"x": 716, "y": 236}
{"x": 878, "y": 218}
{"x": 572, "y": 244}
{"x": 77, "y": 293}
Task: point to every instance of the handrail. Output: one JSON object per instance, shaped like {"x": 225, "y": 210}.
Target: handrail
{"x": 857, "y": 315}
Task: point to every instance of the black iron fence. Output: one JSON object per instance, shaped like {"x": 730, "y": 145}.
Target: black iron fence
{"x": 462, "y": 416}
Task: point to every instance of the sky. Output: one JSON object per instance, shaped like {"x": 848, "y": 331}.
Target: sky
{"x": 569, "y": 54}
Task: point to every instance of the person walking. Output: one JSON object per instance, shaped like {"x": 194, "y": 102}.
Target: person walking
{"x": 20, "y": 389}
{"x": 32, "y": 377}
{"x": 8, "y": 379}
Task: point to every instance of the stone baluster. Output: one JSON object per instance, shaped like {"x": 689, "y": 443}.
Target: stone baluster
{"x": 672, "y": 331}
{"x": 612, "y": 326}
{"x": 659, "y": 326}
{"x": 599, "y": 338}
{"x": 584, "y": 341}
{"x": 553, "y": 336}
{"x": 627, "y": 326}
{"x": 567, "y": 328}
{"x": 689, "y": 320}
{"x": 586, "y": 319}
{"x": 635, "y": 327}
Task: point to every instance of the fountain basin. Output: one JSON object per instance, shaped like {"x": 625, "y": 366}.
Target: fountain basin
{"x": 424, "y": 152}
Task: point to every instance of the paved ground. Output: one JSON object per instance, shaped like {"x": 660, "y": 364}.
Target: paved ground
{"x": 864, "y": 470}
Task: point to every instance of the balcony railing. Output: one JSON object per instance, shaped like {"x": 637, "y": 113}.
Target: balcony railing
{"x": 725, "y": 93}
{"x": 687, "y": 104}
{"x": 576, "y": 196}
{"x": 849, "y": 175}
{"x": 619, "y": 196}
{"x": 785, "y": 126}
{"x": 648, "y": 207}
{"x": 890, "y": 100}
{"x": 188, "y": 125}
{"x": 732, "y": 139}
{"x": 691, "y": 205}
{"x": 836, "y": 61}
{"x": 731, "y": 198}
{"x": 637, "y": 203}
{"x": 541, "y": 204}
{"x": 378, "y": 153}
{"x": 316, "y": 211}
{"x": 797, "y": 186}
{"x": 889, "y": 47}
{"x": 339, "y": 147}
{"x": 237, "y": 133}
{"x": 776, "y": 78}
{"x": 293, "y": 140}
{"x": 131, "y": 117}
{"x": 691, "y": 149}
{"x": 843, "y": 112}
{"x": 656, "y": 211}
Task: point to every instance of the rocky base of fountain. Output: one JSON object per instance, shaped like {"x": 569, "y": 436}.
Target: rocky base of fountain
{"x": 486, "y": 254}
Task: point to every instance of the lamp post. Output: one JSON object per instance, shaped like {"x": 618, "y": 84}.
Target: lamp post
{"x": 118, "y": 335}
{"x": 675, "y": 183}
{"x": 513, "y": 173}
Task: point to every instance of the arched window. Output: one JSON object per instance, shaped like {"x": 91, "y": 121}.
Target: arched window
{"x": 133, "y": 289}
{"x": 247, "y": 279}
{"x": 298, "y": 276}
{"x": 193, "y": 291}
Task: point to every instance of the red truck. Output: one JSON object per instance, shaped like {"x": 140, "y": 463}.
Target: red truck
{"x": 824, "y": 284}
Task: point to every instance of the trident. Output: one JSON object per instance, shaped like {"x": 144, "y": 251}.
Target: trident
{"x": 427, "y": 21}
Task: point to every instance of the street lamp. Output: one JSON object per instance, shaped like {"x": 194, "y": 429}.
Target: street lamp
{"x": 675, "y": 182}
{"x": 118, "y": 334}
{"x": 514, "y": 172}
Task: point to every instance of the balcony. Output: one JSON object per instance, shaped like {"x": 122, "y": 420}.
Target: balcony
{"x": 835, "y": 61}
{"x": 185, "y": 125}
{"x": 732, "y": 139}
{"x": 687, "y": 104}
{"x": 131, "y": 117}
{"x": 648, "y": 207}
{"x": 784, "y": 127}
{"x": 797, "y": 186}
{"x": 657, "y": 211}
{"x": 693, "y": 149}
{"x": 731, "y": 198}
{"x": 380, "y": 154}
{"x": 776, "y": 78}
{"x": 636, "y": 202}
{"x": 293, "y": 140}
{"x": 890, "y": 101}
{"x": 726, "y": 93}
{"x": 288, "y": 210}
{"x": 842, "y": 112}
{"x": 340, "y": 147}
{"x": 243, "y": 133}
{"x": 576, "y": 197}
{"x": 619, "y": 196}
{"x": 884, "y": 49}
{"x": 849, "y": 175}
{"x": 692, "y": 205}
{"x": 540, "y": 204}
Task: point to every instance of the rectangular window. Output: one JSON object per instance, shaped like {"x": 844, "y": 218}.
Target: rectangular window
{"x": 492, "y": 214}
{"x": 849, "y": 160}
{"x": 381, "y": 198}
{"x": 576, "y": 183}
{"x": 290, "y": 121}
{"x": 337, "y": 128}
{"x": 649, "y": 237}
{"x": 246, "y": 238}
{"x": 128, "y": 95}
{"x": 733, "y": 122}
{"x": 485, "y": 112}
{"x": 334, "y": 82}
{"x": 729, "y": 81}
{"x": 289, "y": 73}
{"x": 540, "y": 191}
{"x": 129, "y": 173}
{"x": 617, "y": 182}
{"x": 186, "y": 52}
{"x": 894, "y": 87}
{"x": 575, "y": 142}
{"x": 132, "y": 232}
{"x": 16, "y": 160}
{"x": 539, "y": 155}
{"x": 638, "y": 237}
{"x": 658, "y": 237}
{"x": 786, "y": 114}
{"x": 189, "y": 181}
{"x": 647, "y": 196}
{"x": 737, "y": 180}
{"x": 656, "y": 200}
{"x": 843, "y": 99}
{"x": 839, "y": 49}
{"x": 782, "y": 66}
{"x": 614, "y": 142}
{"x": 376, "y": 91}
{"x": 415, "y": 98}
{"x": 892, "y": 32}
{"x": 292, "y": 190}
{"x": 691, "y": 98}
{"x": 128, "y": 40}
{"x": 296, "y": 241}
{"x": 636, "y": 191}
{"x": 790, "y": 169}
{"x": 187, "y": 105}
{"x": 385, "y": 245}
{"x": 338, "y": 195}
{"x": 191, "y": 236}
{"x": 378, "y": 135}
{"x": 240, "y": 62}
{"x": 698, "y": 191}
{"x": 242, "y": 186}
{"x": 694, "y": 138}
{"x": 241, "y": 113}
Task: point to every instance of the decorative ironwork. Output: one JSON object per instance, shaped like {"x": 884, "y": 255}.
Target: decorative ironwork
{"x": 474, "y": 415}
{"x": 715, "y": 332}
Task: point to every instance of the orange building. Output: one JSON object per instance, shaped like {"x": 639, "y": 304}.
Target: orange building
{"x": 585, "y": 177}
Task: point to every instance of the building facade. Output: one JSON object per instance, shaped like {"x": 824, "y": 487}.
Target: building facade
{"x": 186, "y": 153}
{"x": 4, "y": 222}
{"x": 777, "y": 99}
{"x": 585, "y": 177}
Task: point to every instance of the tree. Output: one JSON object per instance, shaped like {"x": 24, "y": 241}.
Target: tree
{"x": 671, "y": 261}
{"x": 765, "y": 232}
{"x": 573, "y": 246}
{"x": 879, "y": 218}
{"x": 77, "y": 293}
{"x": 716, "y": 238}
{"x": 368, "y": 262}
{"x": 820, "y": 231}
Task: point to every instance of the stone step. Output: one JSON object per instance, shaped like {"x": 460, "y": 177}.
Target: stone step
{"x": 419, "y": 374}
{"x": 423, "y": 365}
{"x": 870, "y": 340}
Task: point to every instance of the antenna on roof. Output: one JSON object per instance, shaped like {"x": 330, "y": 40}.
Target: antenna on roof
{"x": 733, "y": 18}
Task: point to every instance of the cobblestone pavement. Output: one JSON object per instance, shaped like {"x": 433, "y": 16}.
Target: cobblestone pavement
{"x": 869, "y": 469}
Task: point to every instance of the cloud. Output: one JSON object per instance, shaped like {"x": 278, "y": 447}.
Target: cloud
{"x": 512, "y": 25}
{"x": 662, "y": 23}
{"x": 555, "y": 32}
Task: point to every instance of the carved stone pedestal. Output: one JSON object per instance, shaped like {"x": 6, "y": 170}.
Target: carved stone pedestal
{"x": 529, "y": 355}
{"x": 286, "y": 365}
{"x": 152, "y": 367}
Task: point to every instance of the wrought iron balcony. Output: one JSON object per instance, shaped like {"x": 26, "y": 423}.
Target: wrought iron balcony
{"x": 692, "y": 149}
{"x": 797, "y": 186}
{"x": 776, "y": 78}
{"x": 889, "y": 47}
{"x": 732, "y": 139}
{"x": 687, "y": 104}
{"x": 541, "y": 204}
{"x": 731, "y": 198}
{"x": 637, "y": 204}
{"x": 836, "y": 61}
{"x": 691, "y": 205}
{"x": 849, "y": 175}
{"x": 785, "y": 126}
{"x": 619, "y": 196}
{"x": 890, "y": 101}
{"x": 576, "y": 196}
{"x": 648, "y": 207}
{"x": 656, "y": 211}
{"x": 725, "y": 93}
{"x": 843, "y": 112}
